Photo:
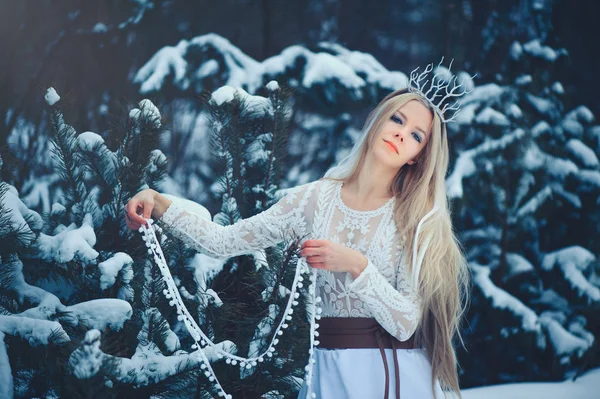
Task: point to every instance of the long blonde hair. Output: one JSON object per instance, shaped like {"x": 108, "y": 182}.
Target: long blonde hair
{"x": 443, "y": 278}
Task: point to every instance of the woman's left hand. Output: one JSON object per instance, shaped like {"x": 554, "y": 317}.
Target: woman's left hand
{"x": 329, "y": 255}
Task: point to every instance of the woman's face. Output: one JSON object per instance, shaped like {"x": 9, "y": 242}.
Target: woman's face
{"x": 408, "y": 131}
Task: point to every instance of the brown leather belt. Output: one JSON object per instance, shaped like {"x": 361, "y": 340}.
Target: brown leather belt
{"x": 359, "y": 332}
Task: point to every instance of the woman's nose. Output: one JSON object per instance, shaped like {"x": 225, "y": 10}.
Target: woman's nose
{"x": 399, "y": 135}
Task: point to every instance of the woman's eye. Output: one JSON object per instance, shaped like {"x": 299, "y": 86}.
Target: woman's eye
{"x": 398, "y": 120}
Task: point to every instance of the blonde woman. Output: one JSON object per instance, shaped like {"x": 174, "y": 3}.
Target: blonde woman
{"x": 390, "y": 271}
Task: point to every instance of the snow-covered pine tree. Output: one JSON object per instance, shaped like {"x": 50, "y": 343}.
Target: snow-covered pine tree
{"x": 81, "y": 308}
{"x": 246, "y": 294}
{"x": 526, "y": 186}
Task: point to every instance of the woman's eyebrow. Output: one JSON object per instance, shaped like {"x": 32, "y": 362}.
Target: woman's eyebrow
{"x": 405, "y": 118}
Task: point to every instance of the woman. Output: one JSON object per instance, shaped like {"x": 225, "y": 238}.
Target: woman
{"x": 390, "y": 271}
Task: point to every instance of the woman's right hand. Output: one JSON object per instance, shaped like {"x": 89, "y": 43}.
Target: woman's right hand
{"x": 140, "y": 204}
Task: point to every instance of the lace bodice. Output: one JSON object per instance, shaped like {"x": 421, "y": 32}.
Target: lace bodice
{"x": 316, "y": 210}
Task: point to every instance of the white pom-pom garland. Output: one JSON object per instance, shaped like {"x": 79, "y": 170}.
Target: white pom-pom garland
{"x": 203, "y": 341}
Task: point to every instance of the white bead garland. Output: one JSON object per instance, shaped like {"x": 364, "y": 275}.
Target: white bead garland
{"x": 202, "y": 340}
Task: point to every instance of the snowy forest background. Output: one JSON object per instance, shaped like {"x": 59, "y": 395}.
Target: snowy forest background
{"x": 174, "y": 95}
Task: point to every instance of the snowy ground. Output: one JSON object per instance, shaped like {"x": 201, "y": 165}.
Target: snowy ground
{"x": 586, "y": 386}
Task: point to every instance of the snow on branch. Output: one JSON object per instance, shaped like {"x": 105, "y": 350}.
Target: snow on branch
{"x": 465, "y": 164}
{"x": 147, "y": 365}
{"x": 36, "y": 332}
{"x": 502, "y": 299}
{"x": 352, "y": 70}
{"x": 572, "y": 262}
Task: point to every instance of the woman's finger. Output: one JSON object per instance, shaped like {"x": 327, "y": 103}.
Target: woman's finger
{"x": 132, "y": 211}
{"x": 129, "y": 220}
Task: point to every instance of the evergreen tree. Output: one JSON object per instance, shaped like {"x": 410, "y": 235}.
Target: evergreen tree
{"x": 525, "y": 178}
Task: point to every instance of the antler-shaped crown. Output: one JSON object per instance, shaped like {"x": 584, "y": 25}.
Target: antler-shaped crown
{"x": 446, "y": 89}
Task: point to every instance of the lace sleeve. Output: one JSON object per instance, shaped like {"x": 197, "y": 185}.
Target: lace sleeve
{"x": 397, "y": 310}
{"x": 286, "y": 217}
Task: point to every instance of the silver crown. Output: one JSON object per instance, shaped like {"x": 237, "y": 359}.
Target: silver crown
{"x": 446, "y": 89}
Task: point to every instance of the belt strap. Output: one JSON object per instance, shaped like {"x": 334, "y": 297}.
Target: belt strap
{"x": 362, "y": 332}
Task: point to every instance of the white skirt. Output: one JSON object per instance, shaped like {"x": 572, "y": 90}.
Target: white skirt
{"x": 360, "y": 374}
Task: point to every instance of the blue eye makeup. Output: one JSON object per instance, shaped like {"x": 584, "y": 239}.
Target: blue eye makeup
{"x": 398, "y": 120}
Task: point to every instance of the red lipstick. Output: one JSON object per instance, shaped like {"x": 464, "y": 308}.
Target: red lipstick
{"x": 392, "y": 145}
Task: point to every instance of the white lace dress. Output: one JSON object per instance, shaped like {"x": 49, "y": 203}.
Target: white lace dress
{"x": 383, "y": 290}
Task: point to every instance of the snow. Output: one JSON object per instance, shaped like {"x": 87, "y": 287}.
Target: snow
{"x": 35, "y": 332}
{"x": 577, "y": 255}
{"x": 19, "y": 213}
{"x": 262, "y": 332}
{"x": 589, "y": 179}
{"x": 204, "y": 269}
{"x": 516, "y": 50}
{"x": 540, "y": 128}
{"x": 534, "y": 202}
{"x": 6, "y": 379}
{"x": 51, "y": 96}
{"x": 70, "y": 243}
{"x": 156, "y": 157}
{"x": 559, "y": 167}
{"x": 148, "y": 365}
{"x": 583, "y": 153}
{"x": 443, "y": 73}
{"x": 58, "y": 209}
{"x": 517, "y": 264}
{"x": 466, "y": 114}
{"x": 580, "y": 283}
{"x": 565, "y": 343}
{"x": 542, "y": 105}
{"x": 100, "y": 28}
{"x": 135, "y": 114}
{"x": 103, "y": 313}
{"x": 168, "y": 61}
{"x": 536, "y": 49}
{"x": 150, "y": 112}
{"x": 110, "y": 268}
{"x": 489, "y": 116}
{"x": 553, "y": 300}
{"x": 89, "y": 140}
{"x": 87, "y": 360}
{"x": 255, "y": 106}
{"x": 581, "y": 114}
{"x": 502, "y": 299}
{"x": 242, "y": 69}
{"x": 267, "y": 292}
{"x": 465, "y": 164}
{"x": 463, "y": 78}
{"x": 208, "y": 68}
{"x": 523, "y": 80}
{"x": 464, "y": 167}
{"x": 573, "y": 127}
{"x": 319, "y": 68}
{"x": 366, "y": 65}
{"x": 223, "y": 94}
{"x": 557, "y": 87}
{"x": 572, "y": 261}
{"x": 151, "y": 317}
{"x": 272, "y": 85}
{"x": 483, "y": 93}
{"x": 571, "y": 198}
{"x": 126, "y": 292}
{"x": 514, "y": 111}
{"x": 584, "y": 387}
